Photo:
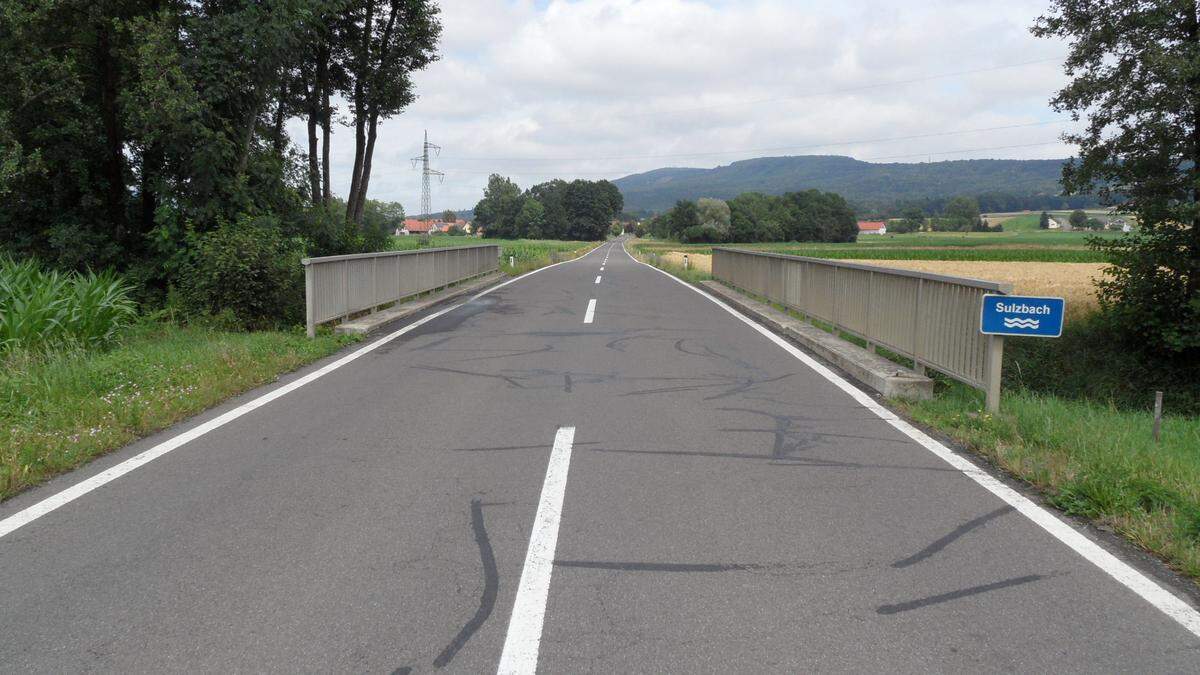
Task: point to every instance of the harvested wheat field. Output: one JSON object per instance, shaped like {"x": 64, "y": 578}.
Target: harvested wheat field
{"x": 1073, "y": 281}
{"x": 698, "y": 261}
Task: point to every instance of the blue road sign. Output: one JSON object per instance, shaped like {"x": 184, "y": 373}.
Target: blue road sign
{"x": 1022, "y": 315}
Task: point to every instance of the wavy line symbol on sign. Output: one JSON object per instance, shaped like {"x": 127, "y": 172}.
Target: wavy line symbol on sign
{"x": 1031, "y": 324}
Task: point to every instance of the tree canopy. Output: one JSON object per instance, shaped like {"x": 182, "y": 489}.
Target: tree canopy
{"x": 127, "y": 128}
{"x": 796, "y": 216}
{"x": 579, "y": 210}
{"x": 1134, "y": 73}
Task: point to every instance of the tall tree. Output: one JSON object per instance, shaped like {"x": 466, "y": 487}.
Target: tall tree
{"x": 1135, "y": 77}
{"x": 387, "y": 41}
{"x": 497, "y": 212}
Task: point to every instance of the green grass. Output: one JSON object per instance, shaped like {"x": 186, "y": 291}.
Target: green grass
{"x": 1036, "y": 246}
{"x": 1028, "y": 222}
{"x": 1090, "y": 460}
{"x": 527, "y": 254}
{"x": 61, "y": 409}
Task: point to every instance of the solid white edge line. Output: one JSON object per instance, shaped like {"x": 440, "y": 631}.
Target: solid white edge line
{"x": 1167, "y": 602}
{"x": 53, "y": 502}
{"x": 520, "y": 654}
{"x": 591, "y": 311}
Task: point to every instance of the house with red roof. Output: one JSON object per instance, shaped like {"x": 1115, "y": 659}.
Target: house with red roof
{"x": 414, "y": 226}
{"x": 872, "y": 227}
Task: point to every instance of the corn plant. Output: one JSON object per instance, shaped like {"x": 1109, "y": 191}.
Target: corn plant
{"x": 42, "y": 308}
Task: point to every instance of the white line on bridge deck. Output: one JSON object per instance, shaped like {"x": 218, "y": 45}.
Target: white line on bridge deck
{"x": 524, "y": 637}
{"x": 1124, "y": 573}
{"x": 59, "y": 499}
{"x": 591, "y": 311}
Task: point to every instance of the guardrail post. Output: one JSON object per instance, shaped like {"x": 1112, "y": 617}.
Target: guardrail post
{"x": 870, "y": 299}
{"x": 310, "y": 287}
{"x": 346, "y": 288}
{"x": 995, "y": 361}
{"x": 916, "y": 346}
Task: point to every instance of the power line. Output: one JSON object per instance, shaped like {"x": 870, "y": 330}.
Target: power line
{"x": 753, "y": 150}
{"x": 964, "y": 150}
{"x": 847, "y": 90}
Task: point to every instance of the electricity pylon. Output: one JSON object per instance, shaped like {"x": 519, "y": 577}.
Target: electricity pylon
{"x": 426, "y": 172}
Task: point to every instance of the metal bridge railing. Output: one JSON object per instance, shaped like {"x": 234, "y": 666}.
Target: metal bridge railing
{"x": 337, "y": 286}
{"x": 929, "y": 318}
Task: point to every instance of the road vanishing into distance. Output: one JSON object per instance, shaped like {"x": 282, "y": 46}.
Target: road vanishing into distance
{"x": 592, "y": 468}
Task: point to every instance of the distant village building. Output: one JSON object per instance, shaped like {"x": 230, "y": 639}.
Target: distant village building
{"x": 414, "y": 226}
{"x": 1054, "y": 225}
{"x": 872, "y": 227}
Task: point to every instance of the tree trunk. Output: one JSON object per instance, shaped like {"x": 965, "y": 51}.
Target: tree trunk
{"x": 363, "y": 63}
{"x": 314, "y": 170}
{"x": 248, "y": 135}
{"x": 361, "y": 204}
{"x": 114, "y": 146}
{"x": 1193, "y": 34}
{"x": 360, "y": 146}
{"x": 152, "y": 162}
{"x": 278, "y": 140}
{"x": 322, "y": 93}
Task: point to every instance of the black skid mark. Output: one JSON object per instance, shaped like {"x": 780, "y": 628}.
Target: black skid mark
{"x": 955, "y": 595}
{"x": 949, "y": 538}
{"x": 491, "y": 588}
{"x": 512, "y": 382}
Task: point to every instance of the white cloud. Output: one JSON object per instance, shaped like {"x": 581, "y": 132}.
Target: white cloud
{"x": 590, "y": 88}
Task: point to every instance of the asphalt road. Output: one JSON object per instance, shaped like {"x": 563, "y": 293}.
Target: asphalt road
{"x": 719, "y": 506}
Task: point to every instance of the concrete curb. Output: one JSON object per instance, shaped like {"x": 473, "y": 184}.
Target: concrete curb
{"x": 878, "y": 373}
{"x": 376, "y": 320}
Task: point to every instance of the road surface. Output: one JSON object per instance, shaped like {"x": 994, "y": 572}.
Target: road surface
{"x": 590, "y": 469}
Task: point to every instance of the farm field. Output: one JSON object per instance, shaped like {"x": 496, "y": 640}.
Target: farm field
{"x": 527, "y": 254}
{"x": 1072, "y": 281}
{"x": 1029, "y": 246}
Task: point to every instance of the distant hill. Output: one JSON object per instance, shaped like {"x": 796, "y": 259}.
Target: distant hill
{"x": 1001, "y": 184}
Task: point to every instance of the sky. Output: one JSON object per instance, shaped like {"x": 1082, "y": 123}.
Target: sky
{"x": 536, "y": 90}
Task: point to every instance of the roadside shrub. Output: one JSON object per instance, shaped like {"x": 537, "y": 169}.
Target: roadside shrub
{"x": 1090, "y": 361}
{"x": 701, "y": 234}
{"x": 42, "y": 308}
{"x": 247, "y": 274}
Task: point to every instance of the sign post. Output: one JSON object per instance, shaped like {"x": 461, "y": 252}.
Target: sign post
{"x": 1016, "y": 316}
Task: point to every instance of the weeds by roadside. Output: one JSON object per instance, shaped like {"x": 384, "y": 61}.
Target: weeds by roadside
{"x": 60, "y": 409}
{"x": 1088, "y": 459}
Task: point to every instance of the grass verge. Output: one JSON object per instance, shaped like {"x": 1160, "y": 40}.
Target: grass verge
{"x": 60, "y": 410}
{"x": 1089, "y": 460}
{"x": 692, "y": 275}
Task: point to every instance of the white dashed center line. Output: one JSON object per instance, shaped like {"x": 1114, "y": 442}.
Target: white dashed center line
{"x": 524, "y": 637}
{"x": 597, "y": 279}
{"x": 591, "y": 311}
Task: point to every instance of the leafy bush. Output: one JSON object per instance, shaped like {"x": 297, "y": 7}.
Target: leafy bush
{"x": 701, "y": 234}
{"x": 1091, "y": 362}
{"x": 44, "y": 308}
{"x": 246, "y": 273}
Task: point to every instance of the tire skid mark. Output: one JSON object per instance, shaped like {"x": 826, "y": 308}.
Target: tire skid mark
{"x": 491, "y": 587}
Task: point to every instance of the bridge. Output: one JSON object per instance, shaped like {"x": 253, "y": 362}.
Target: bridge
{"x": 590, "y": 468}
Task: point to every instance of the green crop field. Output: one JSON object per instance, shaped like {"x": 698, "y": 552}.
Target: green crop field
{"x": 1020, "y": 246}
{"x": 527, "y": 254}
